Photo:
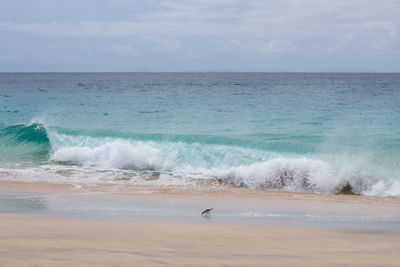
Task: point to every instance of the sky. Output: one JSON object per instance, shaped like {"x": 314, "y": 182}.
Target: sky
{"x": 203, "y": 35}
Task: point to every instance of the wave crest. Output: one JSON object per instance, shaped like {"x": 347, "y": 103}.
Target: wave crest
{"x": 117, "y": 154}
{"x": 231, "y": 164}
{"x": 23, "y": 142}
{"x": 296, "y": 175}
{"x": 21, "y": 133}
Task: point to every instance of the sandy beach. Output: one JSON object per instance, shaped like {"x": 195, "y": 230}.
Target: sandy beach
{"x": 199, "y": 133}
{"x": 45, "y": 239}
{"x": 37, "y": 241}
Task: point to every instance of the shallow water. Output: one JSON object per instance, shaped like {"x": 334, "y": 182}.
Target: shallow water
{"x": 102, "y": 206}
{"x": 303, "y": 132}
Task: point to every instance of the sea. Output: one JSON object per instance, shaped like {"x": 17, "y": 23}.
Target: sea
{"x": 323, "y": 133}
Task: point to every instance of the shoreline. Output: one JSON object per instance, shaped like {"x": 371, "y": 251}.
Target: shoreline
{"x": 220, "y": 191}
{"x": 99, "y": 225}
{"x": 183, "y": 204}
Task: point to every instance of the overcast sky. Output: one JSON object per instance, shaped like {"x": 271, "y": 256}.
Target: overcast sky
{"x": 204, "y": 35}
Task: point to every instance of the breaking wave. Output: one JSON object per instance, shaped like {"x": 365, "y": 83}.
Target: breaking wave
{"x": 227, "y": 162}
{"x": 22, "y": 142}
{"x": 310, "y": 176}
{"x": 117, "y": 154}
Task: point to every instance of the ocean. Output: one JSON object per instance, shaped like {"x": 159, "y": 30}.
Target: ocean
{"x": 321, "y": 133}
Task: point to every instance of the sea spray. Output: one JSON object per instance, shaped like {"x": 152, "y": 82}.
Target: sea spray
{"x": 268, "y": 171}
{"x": 117, "y": 154}
{"x": 321, "y": 133}
{"x": 296, "y": 175}
{"x": 239, "y": 166}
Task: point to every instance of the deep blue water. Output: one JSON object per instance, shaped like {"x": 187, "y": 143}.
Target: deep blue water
{"x": 307, "y": 132}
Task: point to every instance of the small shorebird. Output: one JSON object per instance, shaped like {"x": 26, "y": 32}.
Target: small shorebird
{"x": 206, "y": 213}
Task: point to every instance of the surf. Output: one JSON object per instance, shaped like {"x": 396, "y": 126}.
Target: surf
{"x": 221, "y": 160}
{"x": 24, "y": 142}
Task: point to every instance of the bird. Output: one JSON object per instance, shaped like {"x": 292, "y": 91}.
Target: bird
{"x": 206, "y": 212}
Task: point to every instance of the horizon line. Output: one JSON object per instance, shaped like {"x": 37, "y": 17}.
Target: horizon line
{"x": 315, "y": 72}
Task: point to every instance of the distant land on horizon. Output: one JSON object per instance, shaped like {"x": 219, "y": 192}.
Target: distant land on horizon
{"x": 206, "y": 71}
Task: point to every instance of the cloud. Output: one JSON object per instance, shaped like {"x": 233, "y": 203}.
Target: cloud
{"x": 342, "y": 42}
{"x": 124, "y": 50}
{"x": 262, "y": 46}
{"x": 276, "y": 46}
{"x": 214, "y": 29}
{"x": 230, "y": 18}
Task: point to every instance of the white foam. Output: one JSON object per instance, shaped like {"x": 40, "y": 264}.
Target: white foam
{"x": 118, "y": 154}
{"x": 212, "y": 161}
{"x": 383, "y": 189}
{"x": 297, "y": 175}
{"x": 101, "y": 159}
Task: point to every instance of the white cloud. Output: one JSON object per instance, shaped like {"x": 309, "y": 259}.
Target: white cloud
{"x": 124, "y": 50}
{"x": 342, "y": 42}
{"x": 288, "y": 19}
{"x": 258, "y": 45}
{"x": 276, "y": 46}
{"x": 203, "y": 28}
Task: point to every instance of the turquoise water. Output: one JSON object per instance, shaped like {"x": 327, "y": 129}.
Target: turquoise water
{"x": 299, "y": 132}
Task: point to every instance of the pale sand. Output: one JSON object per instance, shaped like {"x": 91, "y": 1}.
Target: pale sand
{"x": 38, "y": 241}
{"x": 41, "y": 240}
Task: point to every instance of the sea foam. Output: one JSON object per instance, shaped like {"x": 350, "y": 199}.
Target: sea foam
{"x": 117, "y": 154}
{"x": 230, "y": 164}
{"x": 297, "y": 175}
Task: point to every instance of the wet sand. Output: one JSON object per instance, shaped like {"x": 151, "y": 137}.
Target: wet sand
{"x": 28, "y": 239}
{"x": 218, "y": 195}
